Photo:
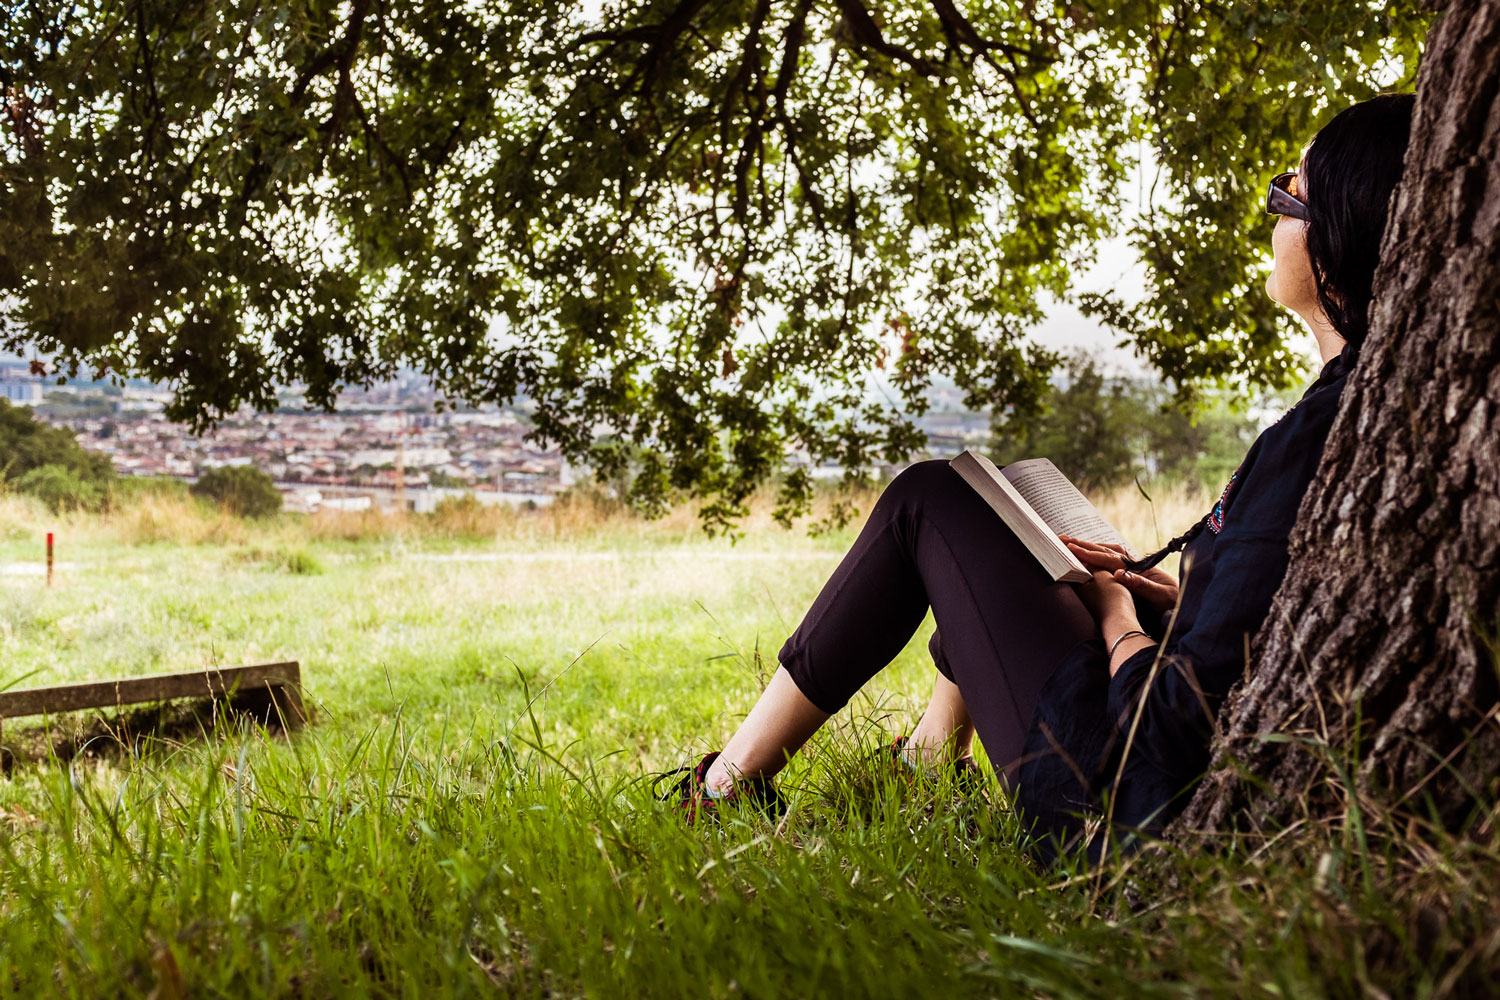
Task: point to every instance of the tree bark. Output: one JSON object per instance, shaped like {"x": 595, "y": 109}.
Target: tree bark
{"x": 1378, "y": 664}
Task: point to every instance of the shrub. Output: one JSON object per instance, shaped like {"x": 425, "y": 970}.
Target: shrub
{"x": 62, "y": 488}
{"x": 240, "y": 489}
{"x": 74, "y": 478}
{"x": 132, "y": 489}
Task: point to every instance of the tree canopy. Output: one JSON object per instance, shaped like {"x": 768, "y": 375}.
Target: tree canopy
{"x": 690, "y": 232}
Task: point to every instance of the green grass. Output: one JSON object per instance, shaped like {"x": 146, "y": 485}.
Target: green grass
{"x": 470, "y": 815}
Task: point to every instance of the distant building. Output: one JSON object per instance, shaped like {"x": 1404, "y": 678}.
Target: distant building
{"x": 21, "y": 391}
{"x": 346, "y": 503}
{"x": 415, "y": 458}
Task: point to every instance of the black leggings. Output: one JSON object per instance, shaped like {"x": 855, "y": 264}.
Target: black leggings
{"x": 1002, "y": 624}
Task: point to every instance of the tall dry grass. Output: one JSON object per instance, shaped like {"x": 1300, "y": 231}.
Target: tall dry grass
{"x": 19, "y": 516}
{"x": 579, "y": 516}
{"x": 141, "y": 519}
{"x": 152, "y": 518}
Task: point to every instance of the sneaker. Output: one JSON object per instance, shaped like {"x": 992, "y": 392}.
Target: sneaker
{"x": 967, "y": 777}
{"x": 688, "y": 793}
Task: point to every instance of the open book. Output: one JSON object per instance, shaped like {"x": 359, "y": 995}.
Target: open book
{"x": 1039, "y": 503}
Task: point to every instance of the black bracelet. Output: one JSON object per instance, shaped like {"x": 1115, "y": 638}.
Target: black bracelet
{"x": 1122, "y": 638}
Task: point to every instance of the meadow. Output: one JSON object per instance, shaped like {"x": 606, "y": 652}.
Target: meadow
{"x": 471, "y": 812}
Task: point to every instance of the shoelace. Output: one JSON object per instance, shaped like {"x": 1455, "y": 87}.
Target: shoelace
{"x": 663, "y": 776}
{"x": 688, "y": 793}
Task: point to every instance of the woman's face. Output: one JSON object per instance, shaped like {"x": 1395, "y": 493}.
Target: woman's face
{"x": 1291, "y": 279}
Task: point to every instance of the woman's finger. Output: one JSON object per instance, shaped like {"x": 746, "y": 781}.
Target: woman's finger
{"x": 1094, "y": 555}
{"x": 1102, "y": 560}
{"x": 1094, "y": 546}
{"x": 1152, "y": 590}
{"x": 1081, "y": 546}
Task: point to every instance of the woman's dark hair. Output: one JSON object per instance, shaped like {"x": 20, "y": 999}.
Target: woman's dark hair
{"x": 1181, "y": 541}
{"x": 1353, "y": 166}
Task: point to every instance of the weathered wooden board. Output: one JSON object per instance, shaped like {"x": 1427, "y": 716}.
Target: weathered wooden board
{"x": 282, "y": 681}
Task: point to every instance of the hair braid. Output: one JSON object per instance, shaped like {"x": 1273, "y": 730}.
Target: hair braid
{"x": 1176, "y": 544}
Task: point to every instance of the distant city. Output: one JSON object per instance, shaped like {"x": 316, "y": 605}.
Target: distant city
{"x": 387, "y": 447}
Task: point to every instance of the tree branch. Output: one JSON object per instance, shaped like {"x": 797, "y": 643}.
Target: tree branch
{"x": 661, "y": 36}
{"x": 341, "y": 53}
{"x": 866, "y": 32}
{"x": 961, "y": 29}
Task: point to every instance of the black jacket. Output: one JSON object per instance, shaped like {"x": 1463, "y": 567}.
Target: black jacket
{"x": 1229, "y": 574}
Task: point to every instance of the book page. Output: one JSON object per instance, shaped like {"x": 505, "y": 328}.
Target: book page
{"x": 1040, "y": 540}
{"x": 1059, "y": 503}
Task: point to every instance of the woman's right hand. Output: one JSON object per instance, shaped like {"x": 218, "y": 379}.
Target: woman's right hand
{"x": 1155, "y": 586}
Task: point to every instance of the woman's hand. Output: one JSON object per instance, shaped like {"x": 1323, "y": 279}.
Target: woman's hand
{"x": 1114, "y": 609}
{"x": 1156, "y": 587}
{"x": 1109, "y": 602}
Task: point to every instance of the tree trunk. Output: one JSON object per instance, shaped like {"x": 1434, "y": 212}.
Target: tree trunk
{"x": 1378, "y": 663}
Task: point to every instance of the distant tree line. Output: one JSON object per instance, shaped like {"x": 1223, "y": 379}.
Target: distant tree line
{"x": 1105, "y": 431}
{"x": 48, "y": 463}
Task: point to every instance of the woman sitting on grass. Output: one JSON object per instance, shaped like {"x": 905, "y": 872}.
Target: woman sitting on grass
{"x": 1051, "y": 675}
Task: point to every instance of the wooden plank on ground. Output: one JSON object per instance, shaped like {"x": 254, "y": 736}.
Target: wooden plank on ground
{"x": 282, "y": 681}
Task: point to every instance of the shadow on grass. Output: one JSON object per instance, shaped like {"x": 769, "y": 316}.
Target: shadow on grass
{"x": 116, "y": 734}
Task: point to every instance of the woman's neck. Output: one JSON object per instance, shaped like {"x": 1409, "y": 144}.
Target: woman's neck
{"x": 1329, "y": 341}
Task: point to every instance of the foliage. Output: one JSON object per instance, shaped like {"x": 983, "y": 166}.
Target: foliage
{"x": 61, "y": 488}
{"x": 697, "y": 227}
{"x": 1205, "y": 444}
{"x": 299, "y": 562}
{"x": 444, "y": 480}
{"x": 26, "y": 443}
{"x": 1088, "y": 427}
{"x": 294, "y": 559}
{"x": 463, "y": 516}
{"x": 240, "y": 489}
{"x": 1104, "y": 431}
{"x": 128, "y": 489}
{"x": 49, "y": 463}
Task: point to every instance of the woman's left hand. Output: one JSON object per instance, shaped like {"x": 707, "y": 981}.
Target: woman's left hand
{"x": 1109, "y": 601}
{"x": 1155, "y": 587}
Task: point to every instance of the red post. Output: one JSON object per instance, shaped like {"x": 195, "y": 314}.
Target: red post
{"x": 49, "y": 558}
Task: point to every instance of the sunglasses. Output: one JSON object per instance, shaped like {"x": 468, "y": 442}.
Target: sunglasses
{"x": 1281, "y": 197}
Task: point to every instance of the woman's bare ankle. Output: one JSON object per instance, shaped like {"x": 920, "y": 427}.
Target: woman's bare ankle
{"x": 719, "y": 777}
{"x": 781, "y": 721}
{"x": 936, "y": 745}
{"x": 923, "y": 748}
{"x": 945, "y": 732}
